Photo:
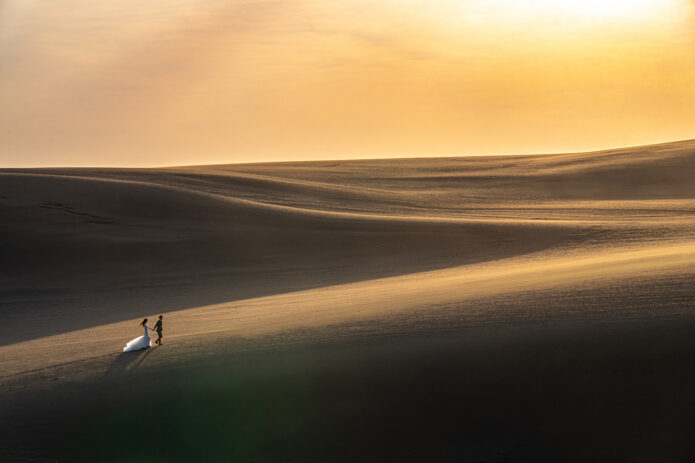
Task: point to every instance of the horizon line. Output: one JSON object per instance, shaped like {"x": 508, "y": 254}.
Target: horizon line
{"x": 356, "y": 159}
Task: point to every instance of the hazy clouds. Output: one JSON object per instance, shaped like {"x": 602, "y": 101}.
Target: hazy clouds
{"x": 162, "y": 82}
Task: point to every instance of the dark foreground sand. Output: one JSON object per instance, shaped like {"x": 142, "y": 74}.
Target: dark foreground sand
{"x": 534, "y": 308}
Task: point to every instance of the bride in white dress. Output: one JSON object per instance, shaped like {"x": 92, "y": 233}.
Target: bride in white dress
{"x": 141, "y": 342}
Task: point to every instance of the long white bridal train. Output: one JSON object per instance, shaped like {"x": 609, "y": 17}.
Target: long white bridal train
{"x": 141, "y": 342}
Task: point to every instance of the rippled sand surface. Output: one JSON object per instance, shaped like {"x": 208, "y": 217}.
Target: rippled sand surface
{"x": 442, "y": 282}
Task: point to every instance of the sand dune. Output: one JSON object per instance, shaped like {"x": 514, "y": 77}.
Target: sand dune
{"x": 268, "y": 254}
{"x": 350, "y": 302}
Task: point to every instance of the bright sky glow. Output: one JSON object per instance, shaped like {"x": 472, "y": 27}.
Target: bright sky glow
{"x": 165, "y": 82}
{"x": 628, "y": 10}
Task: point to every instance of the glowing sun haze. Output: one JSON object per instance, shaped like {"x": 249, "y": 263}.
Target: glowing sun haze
{"x": 170, "y": 82}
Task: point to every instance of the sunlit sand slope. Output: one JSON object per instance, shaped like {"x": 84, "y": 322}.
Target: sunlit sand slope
{"x": 385, "y": 297}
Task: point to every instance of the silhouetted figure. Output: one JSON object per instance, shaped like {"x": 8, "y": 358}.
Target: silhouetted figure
{"x": 142, "y": 342}
{"x": 158, "y": 329}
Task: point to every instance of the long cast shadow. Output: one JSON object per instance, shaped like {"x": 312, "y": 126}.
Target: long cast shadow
{"x": 128, "y": 362}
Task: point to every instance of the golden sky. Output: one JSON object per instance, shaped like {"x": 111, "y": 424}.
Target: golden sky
{"x": 171, "y": 82}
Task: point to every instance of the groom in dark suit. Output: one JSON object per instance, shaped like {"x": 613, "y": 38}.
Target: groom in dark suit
{"x": 158, "y": 329}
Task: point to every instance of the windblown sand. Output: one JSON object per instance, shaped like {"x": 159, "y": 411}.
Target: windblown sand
{"x": 525, "y": 308}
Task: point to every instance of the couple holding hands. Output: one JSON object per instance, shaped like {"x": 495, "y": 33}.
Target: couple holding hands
{"x": 144, "y": 341}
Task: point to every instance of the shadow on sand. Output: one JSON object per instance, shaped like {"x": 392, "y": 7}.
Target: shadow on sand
{"x": 127, "y": 362}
